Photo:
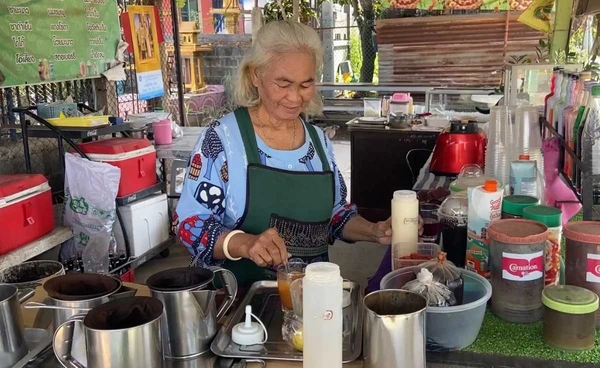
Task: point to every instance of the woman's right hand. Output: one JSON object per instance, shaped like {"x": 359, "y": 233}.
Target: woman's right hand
{"x": 266, "y": 249}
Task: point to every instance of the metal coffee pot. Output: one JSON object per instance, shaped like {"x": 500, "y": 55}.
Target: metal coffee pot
{"x": 12, "y": 340}
{"x": 118, "y": 334}
{"x": 189, "y": 323}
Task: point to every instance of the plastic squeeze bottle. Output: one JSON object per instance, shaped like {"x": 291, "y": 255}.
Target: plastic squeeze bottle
{"x": 405, "y": 223}
{"x": 322, "y": 314}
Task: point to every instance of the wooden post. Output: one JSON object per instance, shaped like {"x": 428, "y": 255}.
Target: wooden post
{"x": 295, "y": 10}
{"x": 562, "y": 27}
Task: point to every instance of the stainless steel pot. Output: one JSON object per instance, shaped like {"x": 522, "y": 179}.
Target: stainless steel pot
{"x": 394, "y": 335}
{"x": 118, "y": 334}
{"x": 189, "y": 323}
{"x": 31, "y": 274}
{"x": 12, "y": 340}
{"x": 69, "y": 308}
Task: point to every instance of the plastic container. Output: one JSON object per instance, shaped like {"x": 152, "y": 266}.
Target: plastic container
{"x": 551, "y": 217}
{"x": 453, "y": 218}
{"x": 53, "y": 110}
{"x": 88, "y": 121}
{"x": 485, "y": 206}
{"x": 471, "y": 176}
{"x": 322, "y": 316}
{"x": 372, "y": 107}
{"x": 405, "y": 222}
{"x": 450, "y": 328}
{"x": 582, "y": 258}
{"x": 517, "y": 251}
{"x": 513, "y": 206}
{"x": 425, "y": 252}
{"x": 162, "y": 132}
{"x": 146, "y": 223}
{"x": 135, "y": 157}
{"x": 25, "y": 210}
{"x": 569, "y": 314}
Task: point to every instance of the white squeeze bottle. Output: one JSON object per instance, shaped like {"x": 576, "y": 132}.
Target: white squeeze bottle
{"x": 322, "y": 313}
{"x": 405, "y": 224}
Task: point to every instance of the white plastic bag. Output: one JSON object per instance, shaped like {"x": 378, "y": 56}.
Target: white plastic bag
{"x": 90, "y": 208}
{"x": 437, "y": 294}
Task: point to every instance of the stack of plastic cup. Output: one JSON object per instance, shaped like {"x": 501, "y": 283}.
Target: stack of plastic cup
{"x": 527, "y": 139}
{"x": 497, "y": 153}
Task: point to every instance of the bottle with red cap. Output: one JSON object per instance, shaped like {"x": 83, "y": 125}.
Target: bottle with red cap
{"x": 485, "y": 206}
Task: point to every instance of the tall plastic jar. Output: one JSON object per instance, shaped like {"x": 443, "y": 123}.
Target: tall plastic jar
{"x": 551, "y": 217}
{"x": 582, "y": 258}
{"x": 405, "y": 224}
{"x": 323, "y": 318}
{"x": 517, "y": 251}
{"x": 513, "y": 206}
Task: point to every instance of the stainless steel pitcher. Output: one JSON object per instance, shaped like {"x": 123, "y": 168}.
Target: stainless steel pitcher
{"x": 12, "y": 341}
{"x": 118, "y": 334}
{"x": 189, "y": 323}
{"x": 394, "y": 330}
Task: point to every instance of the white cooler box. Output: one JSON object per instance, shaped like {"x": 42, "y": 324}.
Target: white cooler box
{"x": 146, "y": 223}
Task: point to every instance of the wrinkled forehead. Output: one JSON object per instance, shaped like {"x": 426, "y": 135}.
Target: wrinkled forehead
{"x": 293, "y": 68}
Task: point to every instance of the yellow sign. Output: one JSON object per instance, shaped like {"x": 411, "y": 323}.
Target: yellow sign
{"x": 145, "y": 38}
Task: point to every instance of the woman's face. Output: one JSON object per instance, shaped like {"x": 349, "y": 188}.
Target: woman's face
{"x": 287, "y": 86}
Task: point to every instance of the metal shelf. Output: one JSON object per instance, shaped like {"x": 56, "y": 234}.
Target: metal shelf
{"x": 585, "y": 194}
{"x": 40, "y": 131}
{"x": 135, "y": 262}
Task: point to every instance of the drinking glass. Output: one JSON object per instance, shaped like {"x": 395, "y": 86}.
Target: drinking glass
{"x": 285, "y": 276}
{"x": 431, "y": 222}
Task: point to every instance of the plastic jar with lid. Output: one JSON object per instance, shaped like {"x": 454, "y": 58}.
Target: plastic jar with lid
{"x": 513, "y": 206}
{"x": 569, "y": 314}
{"x": 517, "y": 269}
{"x": 551, "y": 217}
{"x": 582, "y": 257}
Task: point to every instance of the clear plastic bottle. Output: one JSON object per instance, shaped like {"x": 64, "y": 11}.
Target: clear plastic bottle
{"x": 563, "y": 103}
{"x": 591, "y": 133}
{"x": 405, "y": 223}
{"x": 552, "y": 101}
{"x": 553, "y": 84}
{"x": 323, "y": 317}
{"x": 580, "y": 123}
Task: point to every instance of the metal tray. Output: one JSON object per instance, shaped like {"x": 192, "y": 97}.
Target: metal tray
{"x": 264, "y": 299}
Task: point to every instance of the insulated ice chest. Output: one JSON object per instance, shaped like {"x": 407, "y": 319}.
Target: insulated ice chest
{"x": 135, "y": 157}
{"x": 25, "y": 210}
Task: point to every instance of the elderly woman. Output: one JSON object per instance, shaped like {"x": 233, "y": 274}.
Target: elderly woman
{"x": 263, "y": 185}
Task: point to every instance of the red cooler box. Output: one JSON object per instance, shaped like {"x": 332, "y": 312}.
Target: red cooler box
{"x": 25, "y": 210}
{"x": 135, "y": 157}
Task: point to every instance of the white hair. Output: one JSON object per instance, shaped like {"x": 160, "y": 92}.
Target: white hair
{"x": 273, "y": 40}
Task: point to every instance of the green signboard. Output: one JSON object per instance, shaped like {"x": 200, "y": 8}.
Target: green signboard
{"x": 56, "y": 40}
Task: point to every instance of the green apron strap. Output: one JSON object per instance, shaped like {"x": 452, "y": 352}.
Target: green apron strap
{"x": 314, "y": 137}
{"x": 248, "y": 135}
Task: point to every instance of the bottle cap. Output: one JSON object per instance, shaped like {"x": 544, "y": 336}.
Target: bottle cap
{"x": 549, "y": 216}
{"x": 515, "y": 204}
{"x": 596, "y": 91}
{"x": 249, "y": 333}
{"x": 524, "y": 157}
{"x": 570, "y": 299}
{"x": 405, "y": 195}
{"x": 490, "y": 186}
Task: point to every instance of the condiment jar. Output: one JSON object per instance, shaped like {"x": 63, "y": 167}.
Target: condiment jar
{"x": 513, "y": 206}
{"x": 551, "y": 217}
{"x": 569, "y": 315}
{"x": 582, "y": 258}
{"x": 517, "y": 254}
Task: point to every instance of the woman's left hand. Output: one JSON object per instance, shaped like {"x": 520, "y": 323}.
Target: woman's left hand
{"x": 382, "y": 231}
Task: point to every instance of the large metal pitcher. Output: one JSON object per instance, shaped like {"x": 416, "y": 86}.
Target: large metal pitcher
{"x": 12, "y": 341}
{"x": 118, "y": 334}
{"x": 189, "y": 323}
{"x": 394, "y": 330}
{"x": 79, "y": 292}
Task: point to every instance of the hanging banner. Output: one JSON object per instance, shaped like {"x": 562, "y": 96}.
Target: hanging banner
{"x": 145, "y": 38}
{"x": 492, "y": 5}
{"x": 49, "y": 40}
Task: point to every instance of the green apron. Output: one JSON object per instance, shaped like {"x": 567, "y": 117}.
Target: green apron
{"x": 298, "y": 204}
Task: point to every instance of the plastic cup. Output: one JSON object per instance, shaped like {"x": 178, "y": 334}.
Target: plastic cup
{"x": 295, "y": 270}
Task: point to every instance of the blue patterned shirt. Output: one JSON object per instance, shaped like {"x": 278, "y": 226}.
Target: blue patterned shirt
{"x": 214, "y": 190}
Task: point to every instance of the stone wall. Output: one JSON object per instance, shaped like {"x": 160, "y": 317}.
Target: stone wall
{"x": 224, "y": 59}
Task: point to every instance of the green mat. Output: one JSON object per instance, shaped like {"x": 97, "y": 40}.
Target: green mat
{"x": 524, "y": 340}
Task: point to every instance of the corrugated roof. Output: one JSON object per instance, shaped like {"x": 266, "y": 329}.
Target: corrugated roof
{"x": 451, "y": 50}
